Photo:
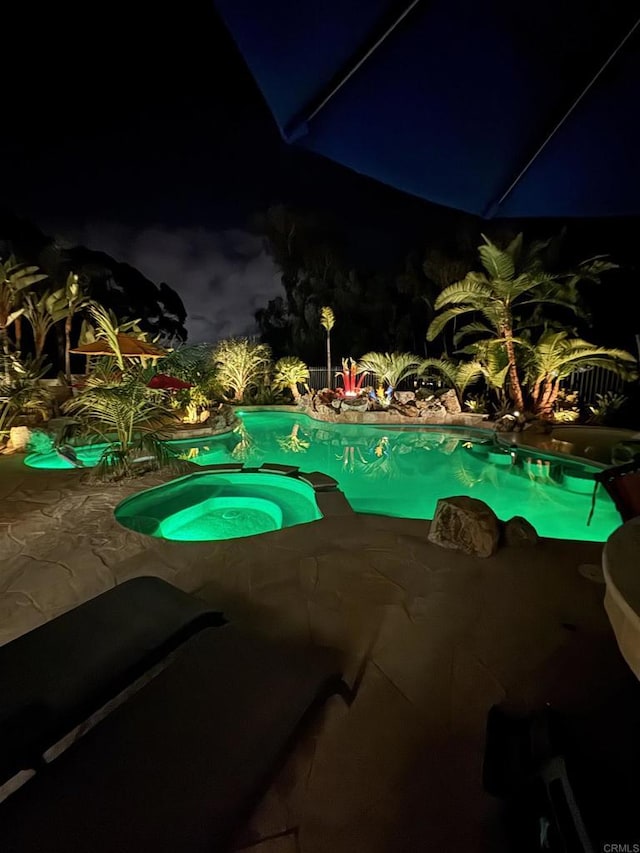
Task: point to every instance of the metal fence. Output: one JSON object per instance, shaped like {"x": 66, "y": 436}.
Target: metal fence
{"x": 588, "y": 383}
{"x": 591, "y": 382}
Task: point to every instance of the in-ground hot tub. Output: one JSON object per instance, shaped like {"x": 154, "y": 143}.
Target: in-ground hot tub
{"x": 216, "y": 505}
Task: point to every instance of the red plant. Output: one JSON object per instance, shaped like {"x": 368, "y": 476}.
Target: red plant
{"x": 161, "y": 380}
{"x": 349, "y": 374}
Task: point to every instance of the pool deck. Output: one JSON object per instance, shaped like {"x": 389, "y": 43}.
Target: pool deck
{"x": 437, "y": 637}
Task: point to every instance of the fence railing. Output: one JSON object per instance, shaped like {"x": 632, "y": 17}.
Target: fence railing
{"x": 588, "y": 383}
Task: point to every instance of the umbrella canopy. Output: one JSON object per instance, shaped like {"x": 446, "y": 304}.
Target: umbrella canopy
{"x": 164, "y": 382}
{"x": 496, "y": 108}
{"x": 129, "y": 347}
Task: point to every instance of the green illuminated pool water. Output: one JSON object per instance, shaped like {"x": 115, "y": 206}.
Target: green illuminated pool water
{"x": 403, "y": 472}
{"x": 211, "y": 506}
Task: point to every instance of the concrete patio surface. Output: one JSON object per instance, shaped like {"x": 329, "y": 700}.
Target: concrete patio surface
{"x": 434, "y": 638}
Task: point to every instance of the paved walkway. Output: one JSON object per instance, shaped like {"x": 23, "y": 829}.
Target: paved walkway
{"x": 436, "y": 637}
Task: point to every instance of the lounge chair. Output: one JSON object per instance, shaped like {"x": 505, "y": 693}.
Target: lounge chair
{"x": 180, "y": 764}
{"x": 54, "y": 677}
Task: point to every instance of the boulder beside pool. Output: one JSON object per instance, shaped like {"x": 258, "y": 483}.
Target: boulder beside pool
{"x": 520, "y": 533}
{"x": 465, "y": 524}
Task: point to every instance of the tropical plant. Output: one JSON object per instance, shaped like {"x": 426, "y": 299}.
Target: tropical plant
{"x": 607, "y": 405}
{"x": 390, "y": 368}
{"x": 20, "y": 392}
{"x": 328, "y": 321}
{"x": 457, "y": 374}
{"x": 40, "y": 312}
{"x": 352, "y": 384}
{"x": 241, "y": 364}
{"x": 289, "y": 372}
{"x": 513, "y": 281}
{"x": 67, "y": 302}
{"x": 129, "y": 417}
{"x": 556, "y": 355}
{"x": 15, "y": 278}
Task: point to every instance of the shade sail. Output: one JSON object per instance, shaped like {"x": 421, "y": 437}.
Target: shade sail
{"x": 497, "y": 108}
{"x": 129, "y": 347}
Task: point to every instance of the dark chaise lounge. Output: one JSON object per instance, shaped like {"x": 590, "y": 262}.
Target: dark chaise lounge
{"x": 181, "y": 763}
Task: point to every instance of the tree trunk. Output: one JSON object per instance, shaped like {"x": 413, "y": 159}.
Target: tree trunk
{"x": 18, "y": 328}
{"x": 4, "y": 343}
{"x": 548, "y": 398}
{"x": 67, "y": 346}
{"x": 294, "y": 391}
{"x": 329, "y": 383}
{"x": 514, "y": 380}
{"x": 38, "y": 343}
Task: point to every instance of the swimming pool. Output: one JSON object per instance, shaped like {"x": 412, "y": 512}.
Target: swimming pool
{"x": 403, "y": 471}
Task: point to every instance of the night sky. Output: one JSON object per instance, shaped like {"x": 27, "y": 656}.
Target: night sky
{"x": 138, "y": 131}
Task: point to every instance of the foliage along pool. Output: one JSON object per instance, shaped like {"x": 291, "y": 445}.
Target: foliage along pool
{"x": 208, "y": 506}
{"x": 403, "y": 471}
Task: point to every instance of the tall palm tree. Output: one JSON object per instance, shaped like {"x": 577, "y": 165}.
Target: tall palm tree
{"x": 389, "y": 367}
{"x": 241, "y": 364}
{"x": 512, "y": 279}
{"x": 556, "y": 355}
{"x": 327, "y": 321}
{"x": 14, "y": 279}
{"x": 69, "y": 300}
{"x": 289, "y": 372}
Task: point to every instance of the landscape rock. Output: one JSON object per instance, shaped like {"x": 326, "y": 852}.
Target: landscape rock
{"x": 450, "y": 401}
{"x": 538, "y": 427}
{"x": 405, "y": 396}
{"x": 520, "y": 533}
{"x": 465, "y": 524}
{"x": 431, "y": 409}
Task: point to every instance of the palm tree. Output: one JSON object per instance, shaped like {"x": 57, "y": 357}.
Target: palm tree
{"x": 555, "y": 356}
{"x": 124, "y": 407}
{"x": 14, "y": 279}
{"x": 241, "y": 364}
{"x": 289, "y": 372}
{"x": 327, "y": 321}
{"x": 69, "y": 300}
{"x": 387, "y": 367}
{"x": 458, "y": 374}
{"x": 40, "y": 311}
{"x": 512, "y": 279}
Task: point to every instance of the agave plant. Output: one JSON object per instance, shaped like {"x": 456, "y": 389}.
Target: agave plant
{"x": 289, "y": 372}
{"x": 241, "y": 364}
{"x": 129, "y": 417}
{"x": 390, "y": 368}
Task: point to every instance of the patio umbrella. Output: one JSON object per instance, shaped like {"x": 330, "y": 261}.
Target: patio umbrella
{"x": 129, "y": 347}
{"x": 496, "y": 108}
